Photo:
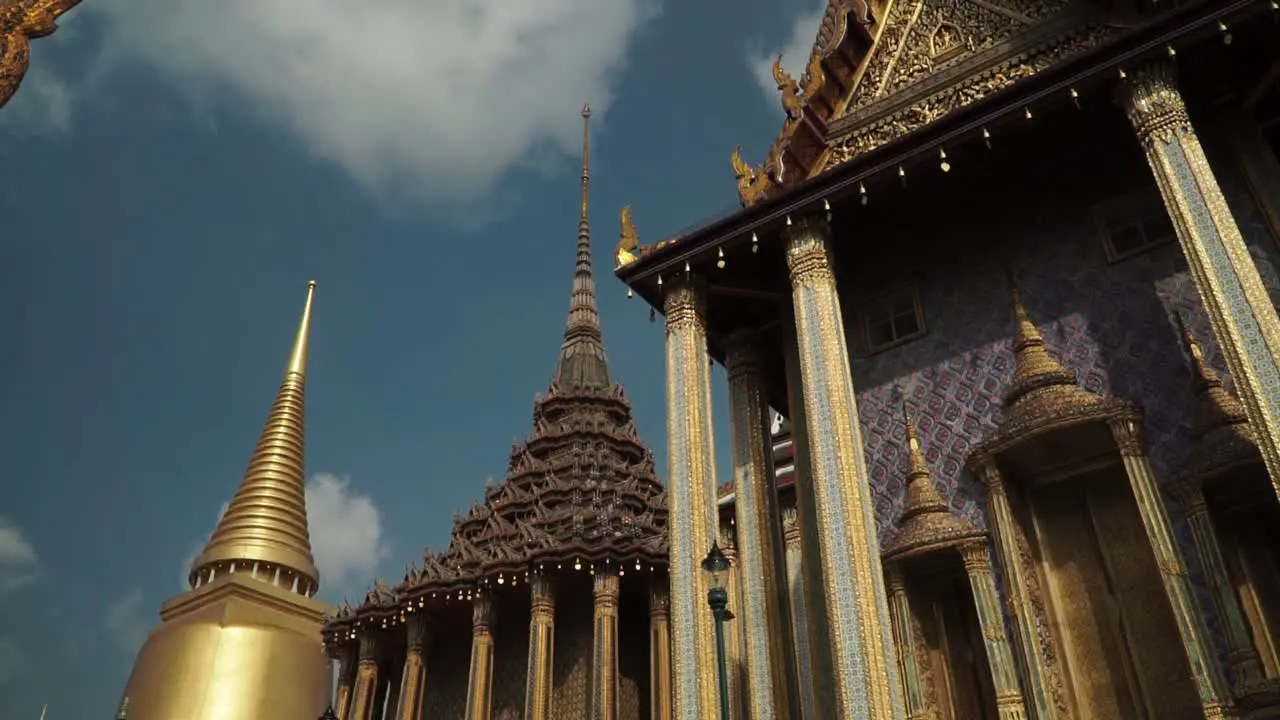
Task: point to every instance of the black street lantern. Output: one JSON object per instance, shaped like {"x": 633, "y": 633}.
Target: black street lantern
{"x": 716, "y": 566}
{"x": 329, "y": 714}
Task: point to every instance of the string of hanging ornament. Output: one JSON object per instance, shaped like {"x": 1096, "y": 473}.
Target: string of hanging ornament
{"x": 978, "y": 129}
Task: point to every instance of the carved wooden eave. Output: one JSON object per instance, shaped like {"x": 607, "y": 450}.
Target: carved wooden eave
{"x": 927, "y": 524}
{"x": 1224, "y": 440}
{"x": 1043, "y": 396}
{"x": 988, "y": 88}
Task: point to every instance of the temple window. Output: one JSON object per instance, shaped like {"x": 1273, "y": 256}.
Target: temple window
{"x": 1133, "y": 224}
{"x": 892, "y": 318}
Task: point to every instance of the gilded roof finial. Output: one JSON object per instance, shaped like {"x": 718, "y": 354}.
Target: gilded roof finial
{"x": 582, "y": 363}
{"x": 123, "y": 712}
{"x": 267, "y": 519}
{"x": 922, "y": 495}
{"x": 1034, "y": 367}
{"x": 1215, "y": 406}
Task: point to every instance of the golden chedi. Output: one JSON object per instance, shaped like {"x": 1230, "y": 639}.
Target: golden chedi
{"x": 244, "y": 641}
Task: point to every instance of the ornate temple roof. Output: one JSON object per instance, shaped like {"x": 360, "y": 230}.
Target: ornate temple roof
{"x": 927, "y": 523}
{"x": 580, "y": 490}
{"x": 1224, "y": 439}
{"x": 1043, "y": 395}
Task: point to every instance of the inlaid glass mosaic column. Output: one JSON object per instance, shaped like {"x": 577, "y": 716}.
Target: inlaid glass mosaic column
{"x": 1246, "y": 666}
{"x": 659, "y": 650}
{"x": 733, "y": 644}
{"x": 604, "y": 654}
{"x": 414, "y": 677}
{"x": 542, "y": 633}
{"x": 1004, "y": 674}
{"x": 1239, "y": 308}
{"x": 764, "y": 615}
{"x": 347, "y": 659}
{"x": 1004, "y": 532}
{"x": 799, "y": 619}
{"x": 905, "y": 643}
{"x": 480, "y": 678}
{"x": 691, "y": 498}
{"x": 362, "y": 706}
{"x": 1173, "y": 570}
{"x": 859, "y": 632}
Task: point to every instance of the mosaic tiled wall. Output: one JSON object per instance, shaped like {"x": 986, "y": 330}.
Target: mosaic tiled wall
{"x": 571, "y": 678}
{"x": 511, "y": 655}
{"x": 448, "y": 661}
{"x": 633, "y": 650}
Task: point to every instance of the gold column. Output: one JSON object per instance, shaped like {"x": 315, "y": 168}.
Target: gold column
{"x": 1173, "y": 573}
{"x": 1004, "y": 674}
{"x": 480, "y": 679}
{"x": 733, "y": 647}
{"x": 803, "y": 663}
{"x": 691, "y": 495}
{"x": 542, "y": 634}
{"x": 604, "y": 665}
{"x": 1004, "y": 531}
{"x": 1239, "y": 308}
{"x": 1246, "y": 666}
{"x": 362, "y": 706}
{"x": 659, "y": 651}
{"x": 859, "y": 632}
{"x": 413, "y": 679}
{"x": 763, "y": 611}
{"x": 347, "y": 658}
{"x": 900, "y": 614}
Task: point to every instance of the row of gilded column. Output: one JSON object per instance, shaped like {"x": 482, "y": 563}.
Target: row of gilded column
{"x": 843, "y": 638}
{"x": 360, "y": 687}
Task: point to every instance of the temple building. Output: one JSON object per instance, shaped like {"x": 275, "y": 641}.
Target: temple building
{"x": 1009, "y": 271}
{"x": 551, "y": 599}
{"x": 244, "y": 641}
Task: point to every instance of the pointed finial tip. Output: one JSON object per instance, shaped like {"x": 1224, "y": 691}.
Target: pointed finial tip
{"x": 311, "y": 284}
{"x": 586, "y": 110}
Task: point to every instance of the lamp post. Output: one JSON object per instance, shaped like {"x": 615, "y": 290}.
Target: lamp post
{"x": 716, "y": 566}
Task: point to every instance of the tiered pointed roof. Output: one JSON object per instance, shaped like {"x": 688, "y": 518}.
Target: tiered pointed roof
{"x": 1043, "y": 395}
{"x": 581, "y": 489}
{"x": 927, "y": 523}
{"x": 1223, "y": 437}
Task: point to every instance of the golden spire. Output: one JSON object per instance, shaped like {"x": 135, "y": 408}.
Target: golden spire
{"x": 926, "y": 521}
{"x": 265, "y": 526}
{"x": 44, "y": 710}
{"x": 123, "y": 712}
{"x": 1034, "y": 367}
{"x": 582, "y": 363}
{"x": 1215, "y": 406}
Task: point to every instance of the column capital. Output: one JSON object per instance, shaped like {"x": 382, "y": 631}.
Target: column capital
{"x": 605, "y": 588}
{"x": 1128, "y": 435}
{"x": 347, "y": 656}
{"x": 976, "y": 557}
{"x": 728, "y": 537}
{"x": 1192, "y": 497}
{"x": 808, "y": 241}
{"x": 482, "y": 612}
{"x": 542, "y": 594}
{"x": 790, "y": 527}
{"x": 894, "y": 580}
{"x": 1153, "y": 103}
{"x": 742, "y": 354}
{"x": 369, "y": 646}
{"x": 989, "y": 473}
{"x": 416, "y": 633}
{"x": 685, "y": 304}
{"x": 659, "y": 600}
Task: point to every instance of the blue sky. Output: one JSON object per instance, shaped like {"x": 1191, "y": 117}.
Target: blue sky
{"x": 174, "y": 171}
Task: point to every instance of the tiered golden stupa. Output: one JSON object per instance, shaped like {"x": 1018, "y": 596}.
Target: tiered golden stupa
{"x": 553, "y": 592}
{"x": 244, "y": 643}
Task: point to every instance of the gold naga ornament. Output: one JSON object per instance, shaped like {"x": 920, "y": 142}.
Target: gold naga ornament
{"x": 755, "y": 183}
{"x": 21, "y": 21}
{"x": 628, "y": 240}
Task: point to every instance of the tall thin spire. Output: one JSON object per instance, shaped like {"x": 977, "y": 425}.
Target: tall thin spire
{"x": 1034, "y": 367}
{"x": 265, "y": 525}
{"x": 582, "y": 364}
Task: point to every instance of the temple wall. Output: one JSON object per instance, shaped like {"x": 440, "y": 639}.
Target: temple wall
{"x": 571, "y": 691}
{"x": 448, "y": 662}
{"x": 1112, "y": 323}
{"x": 511, "y": 655}
{"x": 633, "y": 649}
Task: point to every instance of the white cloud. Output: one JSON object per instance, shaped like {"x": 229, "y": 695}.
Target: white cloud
{"x": 19, "y": 563}
{"x": 127, "y": 623}
{"x": 346, "y": 534}
{"x": 42, "y": 105}
{"x": 430, "y": 98}
{"x": 346, "y": 531}
{"x": 795, "y": 53}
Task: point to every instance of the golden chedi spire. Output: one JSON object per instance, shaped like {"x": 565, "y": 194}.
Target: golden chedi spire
{"x": 1034, "y": 367}
{"x": 582, "y": 364}
{"x": 926, "y": 523}
{"x": 266, "y": 521}
{"x": 244, "y": 641}
{"x": 1224, "y": 439}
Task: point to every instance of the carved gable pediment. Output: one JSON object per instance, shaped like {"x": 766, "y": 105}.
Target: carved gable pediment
{"x": 935, "y": 56}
